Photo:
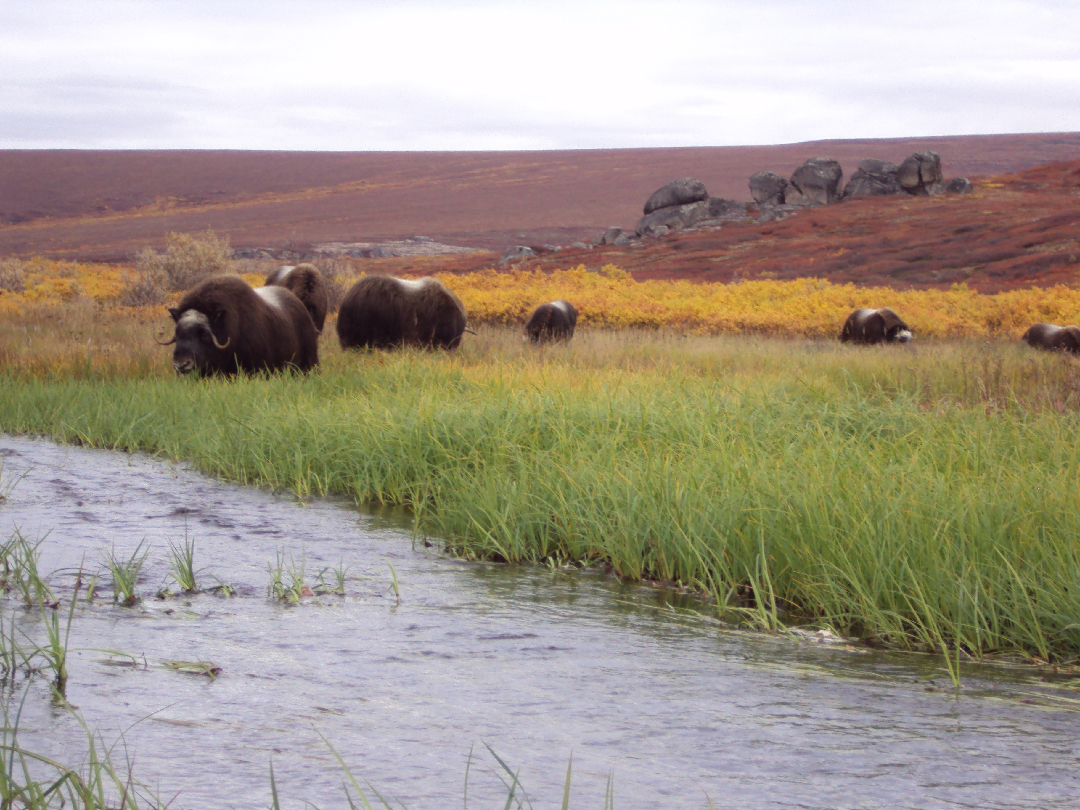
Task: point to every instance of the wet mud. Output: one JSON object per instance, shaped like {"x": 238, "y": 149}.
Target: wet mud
{"x": 537, "y": 664}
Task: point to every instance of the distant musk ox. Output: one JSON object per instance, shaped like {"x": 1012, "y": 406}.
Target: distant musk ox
{"x": 869, "y": 326}
{"x": 223, "y": 326}
{"x": 1054, "y": 338}
{"x": 382, "y": 312}
{"x": 552, "y": 321}
{"x": 306, "y": 283}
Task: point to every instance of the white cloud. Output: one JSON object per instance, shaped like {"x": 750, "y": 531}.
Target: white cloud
{"x": 477, "y": 75}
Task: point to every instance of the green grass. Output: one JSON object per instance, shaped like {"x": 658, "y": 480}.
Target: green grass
{"x": 919, "y": 498}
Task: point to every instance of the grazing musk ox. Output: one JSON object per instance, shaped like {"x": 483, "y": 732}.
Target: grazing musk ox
{"x": 224, "y": 326}
{"x": 306, "y": 283}
{"x": 870, "y": 326}
{"x": 552, "y": 321}
{"x": 1054, "y": 338}
{"x": 382, "y": 312}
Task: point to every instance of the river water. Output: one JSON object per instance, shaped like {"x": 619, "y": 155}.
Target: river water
{"x": 538, "y": 665}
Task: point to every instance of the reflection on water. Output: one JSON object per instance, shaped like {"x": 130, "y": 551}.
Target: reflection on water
{"x": 537, "y": 664}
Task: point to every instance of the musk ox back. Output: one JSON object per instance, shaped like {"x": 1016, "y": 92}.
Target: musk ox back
{"x": 1054, "y": 338}
{"x": 869, "y": 326}
{"x": 306, "y": 283}
{"x": 223, "y": 326}
{"x": 552, "y": 321}
{"x": 382, "y": 312}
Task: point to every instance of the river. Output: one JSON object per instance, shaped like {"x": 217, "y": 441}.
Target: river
{"x": 538, "y": 665}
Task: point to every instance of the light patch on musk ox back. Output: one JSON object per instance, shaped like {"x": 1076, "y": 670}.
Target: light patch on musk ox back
{"x": 274, "y": 296}
{"x": 562, "y": 307}
{"x": 416, "y": 284}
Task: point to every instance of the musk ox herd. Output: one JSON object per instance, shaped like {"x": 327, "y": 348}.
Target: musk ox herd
{"x": 224, "y": 326}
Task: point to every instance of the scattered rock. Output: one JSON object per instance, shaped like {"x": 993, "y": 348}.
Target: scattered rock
{"x": 920, "y": 172}
{"x": 818, "y": 181}
{"x": 726, "y": 210}
{"x": 672, "y": 218}
{"x": 622, "y": 239}
{"x": 609, "y": 236}
{"x": 581, "y": 246}
{"x": 422, "y": 239}
{"x": 677, "y": 192}
{"x": 873, "y": 178}
{"x": 516, "y": 253}
{"x": 768, "y": 188}
{"x": 959, "y": 185}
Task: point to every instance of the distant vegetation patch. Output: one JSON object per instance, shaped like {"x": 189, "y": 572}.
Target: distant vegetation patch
{"x": 609, "y": 297}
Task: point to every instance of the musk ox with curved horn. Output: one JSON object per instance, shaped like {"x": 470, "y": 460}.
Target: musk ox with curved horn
{"x": 306, "y": 283}
{"x": 224, "y": 326}
{"x": 382, "y": 312}
{"x": 1054, "y": 338}
{"x": 552, "y": 321}
{"x": 868, "y": 326}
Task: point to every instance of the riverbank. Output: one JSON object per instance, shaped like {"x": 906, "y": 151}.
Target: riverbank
{"x": 916, "y": 498}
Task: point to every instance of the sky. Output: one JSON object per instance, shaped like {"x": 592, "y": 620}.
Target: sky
{"x": 459, "y": 75}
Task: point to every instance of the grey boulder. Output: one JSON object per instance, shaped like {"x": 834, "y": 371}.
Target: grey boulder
{"x": 873, "y": 178}
{"x": 768, "y": 188}
{"x": 677, "y": 192}
{"x": 515, "y": 253}
{"x": 818, "y": 181}
{"x": 920, "y": 173}
{"x": 609, "y": 236}
{"x": 672, "y": 218}
{"x": 959, "y": 185}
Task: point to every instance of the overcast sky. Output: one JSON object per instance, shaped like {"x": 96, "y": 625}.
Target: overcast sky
{"x": 403, "y": 75}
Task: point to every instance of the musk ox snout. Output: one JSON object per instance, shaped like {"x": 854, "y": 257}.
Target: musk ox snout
{"x": 871, "y": 326}
{"x": 555, "y": 320}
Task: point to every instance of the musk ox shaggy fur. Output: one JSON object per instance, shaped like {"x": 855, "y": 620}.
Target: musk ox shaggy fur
{"x": 868, "y": 326}
{"x": 224, "y": 326}
{"x": 1054, "y": 338}
{"x": 552, "y": 321}
{"x": 382, "y": 312}
{"x": 306, "y": 283}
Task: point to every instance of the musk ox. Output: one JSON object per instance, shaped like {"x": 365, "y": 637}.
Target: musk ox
{"x": 1054, "y": 338}
{"x": 223, "y": 326}
{"x": 875, "y": 326}
{"x": 382, "y": 312}
{"x": 552, "y": 321}
{"x": 306, "y": 283}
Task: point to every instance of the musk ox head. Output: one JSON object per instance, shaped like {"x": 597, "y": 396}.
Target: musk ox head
{"x": 1054, "y": 338}
{"x": 869, "y": 326}
{"x": 306, "y": 283}
{"x": 552, "y": 321}
{"x": 382, "y": 312}
{"x": 223, "y": 326}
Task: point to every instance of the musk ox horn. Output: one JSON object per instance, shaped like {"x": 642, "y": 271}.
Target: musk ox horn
{"x": 470, "y": 331}
{"x": 165, "y": 343}
{"x": 224, "y": 345}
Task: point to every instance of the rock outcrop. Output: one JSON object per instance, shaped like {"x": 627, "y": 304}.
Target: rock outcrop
{"x": 921, "y": 173}
{"x": 817, "y": 181}
{"x": 677, "y": 192}
{"x": 672, "y": 218}
{"x": 959, "y": 185}
{"x": 614, "y": 236}
{"x": 516, "y": 253}
{"x": 768, "y": 188}
{"x": 873, "y": 178}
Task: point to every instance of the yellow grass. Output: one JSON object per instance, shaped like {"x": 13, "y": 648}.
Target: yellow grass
{"x": 610, "y": 298}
